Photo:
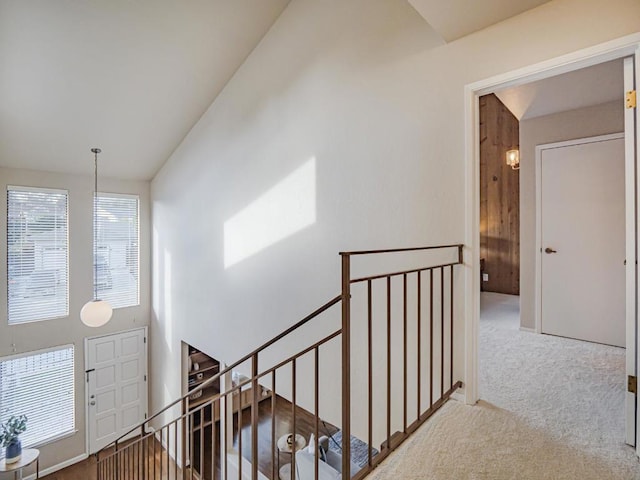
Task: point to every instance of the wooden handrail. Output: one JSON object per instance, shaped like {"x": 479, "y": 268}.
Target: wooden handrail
{"x": 403, "y": 272}
{"x": 398, "y": 250}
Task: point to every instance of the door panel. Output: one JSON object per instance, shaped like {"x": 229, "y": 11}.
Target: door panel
{"x": 583, "y": 241}
{"x": 116, "y": 390}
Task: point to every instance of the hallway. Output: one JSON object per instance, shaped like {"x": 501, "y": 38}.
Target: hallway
{"x": 572, "y": 390}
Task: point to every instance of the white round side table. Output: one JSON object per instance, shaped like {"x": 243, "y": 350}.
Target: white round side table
{"x": 29, "y": 456}
{"x": 285, "y": 447}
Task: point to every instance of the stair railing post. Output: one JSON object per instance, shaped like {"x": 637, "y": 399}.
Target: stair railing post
{"x": 346, "y": 366}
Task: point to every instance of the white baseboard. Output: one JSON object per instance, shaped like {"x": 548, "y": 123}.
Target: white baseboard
{"x": 527, "y": 329}
{"x": 59, "y": 466}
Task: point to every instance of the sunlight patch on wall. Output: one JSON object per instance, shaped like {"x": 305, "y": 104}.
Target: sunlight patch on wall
{"x": 283, "y": 210}
{"x": 168, "y": 313}
{"x": 155, "y": 272}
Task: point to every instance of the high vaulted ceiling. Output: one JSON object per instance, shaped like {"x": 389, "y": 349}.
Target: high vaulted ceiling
{"x": 133, "y": 77}
{"x": 454, "y": 19}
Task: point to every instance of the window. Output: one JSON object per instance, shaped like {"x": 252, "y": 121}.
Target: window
{"x": 40, "y": 386}
{"x": 117, "y": 255}
{"x": 37, "y": 259}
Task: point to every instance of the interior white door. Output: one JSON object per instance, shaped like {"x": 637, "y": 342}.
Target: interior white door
{"x": 583, "y": 240}
{"x": 116, "y": 368}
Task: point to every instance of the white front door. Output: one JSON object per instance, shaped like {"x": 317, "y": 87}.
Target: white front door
{"x": 116, "y": 367}
{"x": 583, "y": 240}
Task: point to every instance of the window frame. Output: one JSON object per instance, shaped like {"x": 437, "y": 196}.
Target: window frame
{"x": 31, "y": 189}
{"x": 96, "y": 243}
{"x": 72, "y": 394}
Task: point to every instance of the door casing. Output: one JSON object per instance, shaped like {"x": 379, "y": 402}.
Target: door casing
{"x": 615, "y": 49}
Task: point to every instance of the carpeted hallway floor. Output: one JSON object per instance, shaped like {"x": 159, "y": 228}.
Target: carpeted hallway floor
{"x": 552, "y": 408}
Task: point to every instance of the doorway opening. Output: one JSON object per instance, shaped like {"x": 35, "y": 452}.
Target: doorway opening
{"x": 513, "y": 367}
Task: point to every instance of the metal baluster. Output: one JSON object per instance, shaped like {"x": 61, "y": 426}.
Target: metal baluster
{"x": 161, "y": 447}
{"x": 441, "y": 332}
{"x": 389, "y": 363}
{"x": 430, "y": 338}
{"x": 175, "y": 450}
{"x": 255, "y": 417}
{"x": 451, "y": 330}
{"x": 370, "y": 368}
{"x": 274, "y": 448}
{"x": 201, "y": 462}
{"x": 404, "y": 351}
{"x": 213, "y": 439}
{"x": 240, "y": 421}
{"x": 293, "y": 416}
{"x": 419, "y": 340}
{"x": 155, "y": 442}
{"x": 183, "y": 433}
{"x": 223, "y": 450}
{"x": 316, "y": 409}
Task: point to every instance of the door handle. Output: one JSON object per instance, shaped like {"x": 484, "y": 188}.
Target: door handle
{"x": 550, "y": 250}
{"x": 92, "y": 402}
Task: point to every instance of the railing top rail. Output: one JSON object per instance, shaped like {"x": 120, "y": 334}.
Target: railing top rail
{"x": 228, "y": 369}
{"x": 396, "y": 250}
{"x": 403, "y": 272}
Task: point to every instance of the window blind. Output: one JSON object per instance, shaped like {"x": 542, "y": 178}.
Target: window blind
{"x": 117, "y": 257}
{"x": 39, "y": 385}
{"x": 37, "y": 254}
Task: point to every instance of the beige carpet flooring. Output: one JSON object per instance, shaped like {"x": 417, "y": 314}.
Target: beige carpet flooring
{"x": 552, "y": 408}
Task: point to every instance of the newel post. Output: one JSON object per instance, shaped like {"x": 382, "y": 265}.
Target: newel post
{"x": 346, "y": 366}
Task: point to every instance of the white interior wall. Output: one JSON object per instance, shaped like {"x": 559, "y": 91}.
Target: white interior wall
{"x": 366, "y": 90}
{"x": 48, "y": 333}
{"x": 581, "y": 123}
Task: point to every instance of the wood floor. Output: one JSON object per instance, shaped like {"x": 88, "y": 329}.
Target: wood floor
{"x": 305, "y": 425}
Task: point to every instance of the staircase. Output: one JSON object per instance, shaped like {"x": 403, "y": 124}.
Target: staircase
{"x": 383, "y": 369}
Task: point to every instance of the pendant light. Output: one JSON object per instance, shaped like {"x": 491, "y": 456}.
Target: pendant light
{"x": 96, "y": 312}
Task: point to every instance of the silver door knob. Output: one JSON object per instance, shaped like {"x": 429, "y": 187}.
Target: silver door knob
{"x": 550, "y": 250}
{"x": 92, "y": 402}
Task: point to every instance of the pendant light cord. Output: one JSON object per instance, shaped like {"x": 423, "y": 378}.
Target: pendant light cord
{"x": 95, "y": 226}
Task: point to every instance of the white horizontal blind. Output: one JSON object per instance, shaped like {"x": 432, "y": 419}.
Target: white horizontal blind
{"x": 117, "y": 256}
{"x": 37, "y": 254}
{"x": 39, "y": 385}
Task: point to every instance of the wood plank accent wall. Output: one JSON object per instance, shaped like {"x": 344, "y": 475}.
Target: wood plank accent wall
{"x": 499, "y": 198}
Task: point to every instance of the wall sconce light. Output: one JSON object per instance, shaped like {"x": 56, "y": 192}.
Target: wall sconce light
{"x": 513, "y": 159}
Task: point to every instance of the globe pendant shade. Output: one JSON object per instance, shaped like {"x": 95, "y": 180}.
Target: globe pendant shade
{"x": 96, "y": 313}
